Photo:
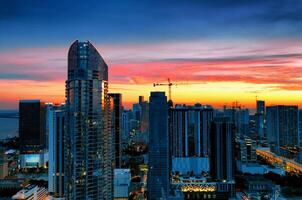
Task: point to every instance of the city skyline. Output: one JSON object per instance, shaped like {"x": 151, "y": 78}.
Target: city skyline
{"x": 174, "y": 99}
{"x": 221, "y": 52}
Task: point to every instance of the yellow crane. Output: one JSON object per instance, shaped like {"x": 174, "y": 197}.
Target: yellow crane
{"x": 169, "y": 84}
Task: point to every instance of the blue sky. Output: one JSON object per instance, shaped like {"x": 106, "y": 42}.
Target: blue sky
{"x": 36, "y": 22}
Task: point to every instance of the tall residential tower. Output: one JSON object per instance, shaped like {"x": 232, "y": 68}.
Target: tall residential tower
{"x": 88, "y": 141}
{"x": 282, "y": 128}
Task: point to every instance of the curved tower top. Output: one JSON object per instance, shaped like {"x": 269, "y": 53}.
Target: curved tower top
{"x": 85, "y": 62}
{"x": 87, "y": 161}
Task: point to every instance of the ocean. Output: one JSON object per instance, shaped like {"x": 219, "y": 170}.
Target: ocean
{"x": 9, "y": 123}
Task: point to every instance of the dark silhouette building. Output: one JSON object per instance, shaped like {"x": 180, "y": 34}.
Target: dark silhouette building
{"x": 32, "y": 126}
{"x": 116, "y": 113}
{"x": 260, "y": 118}
{"x": 222, "y": 166}
{"x": 158, "y": 149}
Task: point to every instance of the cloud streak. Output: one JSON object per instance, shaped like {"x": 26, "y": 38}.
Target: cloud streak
{"x": 269, "y": 65}
{"x": 143, "y": 64}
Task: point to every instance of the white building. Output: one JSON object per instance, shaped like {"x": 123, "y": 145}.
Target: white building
{"x": 55, "y": 127}
{"x": 31, "y": 192}
{"x": 122, "y": 179}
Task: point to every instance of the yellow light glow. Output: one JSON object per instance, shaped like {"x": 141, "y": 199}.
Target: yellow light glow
{"x": 198, "y": 188}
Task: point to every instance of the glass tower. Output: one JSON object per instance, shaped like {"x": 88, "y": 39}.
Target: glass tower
{"x": 88, "y": 146}
{"x": 158, "y": 150}
{"x": 32, "y": 126}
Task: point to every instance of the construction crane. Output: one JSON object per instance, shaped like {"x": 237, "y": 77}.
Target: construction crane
{"x": 169, "y": 84}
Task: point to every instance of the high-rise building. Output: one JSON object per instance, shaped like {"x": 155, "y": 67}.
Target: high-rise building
{"x": 127, "y": 116}
{"x": 158, "y": 149}
{"x": 282, "y": 128}
{"x": 300, "y": 129}
{"x": 116, "y": 114}
{"x": 260, "y": 107}
{"x": 240, "y": 118}
{"x": 222, "y": 149}
{"x": 260, "y": 118}
{"x": 56, "y": 131}
{"x": 189, "y": 130}
{"x": 246, "y": 151}
{"x": 136, "y": 108}
{"x": 32, "y": 126}
{"x": 144, "y": 123}
{"x": 88, "y": 139}
{"x": 141, "y": 99}
{"x": 242, "y": 122}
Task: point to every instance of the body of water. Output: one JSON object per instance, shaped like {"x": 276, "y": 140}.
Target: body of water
{"x": 9, "y": 127}
{"x": 9, "y": 123}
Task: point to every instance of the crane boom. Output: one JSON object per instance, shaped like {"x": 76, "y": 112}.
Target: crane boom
{"x": 169, "y": 84}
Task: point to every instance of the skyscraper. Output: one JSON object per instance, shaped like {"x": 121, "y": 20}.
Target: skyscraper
{"x": 158, "y": 150}
{"x": 242, "y": 122}
{"x": 222, "y": 149}
{"x": 260, "y": 107}
{"x": 116, "y": 114}
{"x": 127, "y": 116}
{"x": 144, "y": 119}
{"x": 56, "y": 127}
{"x": 260, "y": 118}
{"x": 240, "y": 118}
{"x": 88, "y": 146}
{"x": 32, "y": 126}
{"x": 190, "y": 130}
{"x": 246, "y": 151}
{"x": 282, "y": 127}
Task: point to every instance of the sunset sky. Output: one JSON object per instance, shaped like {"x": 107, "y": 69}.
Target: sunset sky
{"x": 218, "y": 52}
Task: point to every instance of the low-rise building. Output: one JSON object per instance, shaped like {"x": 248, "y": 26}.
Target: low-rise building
{"x": 200, "y": 187}
{"x": 258, "y": 188}
{"x": 34, "y": 160}
{"x": 122, "y": 179}
{"x": 31, "y": 192}
{"x": 3, "y": 165}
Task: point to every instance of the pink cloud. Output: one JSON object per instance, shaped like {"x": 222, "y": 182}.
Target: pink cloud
{"x": 260, "y": 62}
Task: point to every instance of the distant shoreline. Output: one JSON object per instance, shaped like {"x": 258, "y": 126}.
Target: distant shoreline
{"x": 11, "y": 114}
{"x": 9, "y": 117}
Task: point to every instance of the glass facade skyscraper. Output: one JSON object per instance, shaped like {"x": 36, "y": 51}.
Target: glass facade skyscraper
{"x": 158, "y": 173}
{"x": 88, "y": 141}
{"x": 282, "y": 127}
{"x": 32, "y": 126}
